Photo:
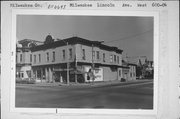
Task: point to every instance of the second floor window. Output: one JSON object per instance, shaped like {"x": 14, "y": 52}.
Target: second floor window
{"x": 16, "y": 58}
{"x": 131, "y": 74}
{"x": 34, "y": 58}
{"x": 63, "y": 54}
{"x": 93, "y": 54}
{"x": 20, "y": 57}
{"x": 97, "y": 54}
{"x": 30, "y": 57}
{"x": 114, "y": 58}
{"x": 134, "y": 74}
{"x": 111, "y": 58}
{"x": 39, "y": 57}
{"x": 70, "y": 53}
{"x": 104, "y": 57}
{"x": 120, "y": 73}
{"x": 118, "y": 59}
{"x": 83, "y": 54}
{"x": 47, "y": 57}
{"x": 53, "y": 59}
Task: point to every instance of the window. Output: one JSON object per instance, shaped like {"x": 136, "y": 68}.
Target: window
{"x": 47, "y": 57}
{"x": 21, "y": 74}
{"x": 111, "y": 58}
{"x": 30, "y": 57}
{"x": 39, "y": 74}
{"x": 20, "y": 57}
{"x": 83, "y": 54}
{"x": 39, "y": 57}
{"x": 93, "y": 54}
{"x": 118, "y": 59}
{"x": 114, "y": 58}
{"x": 16, "y": 58}
{"x": 53, "y": 59}
{"x": 120, "y": 73}
{"x": 104, "y": 57}
{"x": 34, "y": 58}
{"x": 63, "y": 54}
{"x": 70, "y": 53}
{"x": 131, "y": 74}
{"x": 97, "y": 55}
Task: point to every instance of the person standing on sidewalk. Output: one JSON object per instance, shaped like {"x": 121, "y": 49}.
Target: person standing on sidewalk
{"x": 90, "y": 75}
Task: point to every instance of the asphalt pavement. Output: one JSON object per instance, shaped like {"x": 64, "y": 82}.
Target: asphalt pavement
{"x": 113, "y": 95}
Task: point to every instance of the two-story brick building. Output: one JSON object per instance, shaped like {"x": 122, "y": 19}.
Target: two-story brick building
{"x": 77, "y": 55}
{"x": 70, "y": 59}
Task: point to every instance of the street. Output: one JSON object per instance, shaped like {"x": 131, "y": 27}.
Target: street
{"x": 132, "y": 96}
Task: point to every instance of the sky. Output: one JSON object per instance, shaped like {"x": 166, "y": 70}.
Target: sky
{"x": 134, "y": 35}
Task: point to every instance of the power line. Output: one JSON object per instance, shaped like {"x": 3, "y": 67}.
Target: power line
{"x": 135, "y": 35}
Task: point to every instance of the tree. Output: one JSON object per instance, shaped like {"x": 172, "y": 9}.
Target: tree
{"x": 138, "y": 71}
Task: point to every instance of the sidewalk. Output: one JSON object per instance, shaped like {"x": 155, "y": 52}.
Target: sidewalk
{"x": 117, "y": 82}
{"x": 94, "y": 84}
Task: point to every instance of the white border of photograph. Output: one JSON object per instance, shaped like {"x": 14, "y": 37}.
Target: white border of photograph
{"x": 73, "y": 111}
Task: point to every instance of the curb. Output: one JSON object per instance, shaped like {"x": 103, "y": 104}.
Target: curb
{"x": 95, "y": 84}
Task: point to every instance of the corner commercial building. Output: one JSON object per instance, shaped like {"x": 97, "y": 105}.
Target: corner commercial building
{"x": 51, "y": 61}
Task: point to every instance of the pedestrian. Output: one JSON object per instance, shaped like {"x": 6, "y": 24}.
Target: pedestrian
{"x": 90, "y": 75}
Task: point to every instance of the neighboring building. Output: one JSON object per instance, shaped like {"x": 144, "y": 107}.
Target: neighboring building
{"x": 138, "y": 60}
{"x": 144, "y": 67}
{"x": 52, "y": 60}
{"x": 128, "y": 71}
{"x": 132, "y": 71}
{"x": 23, "y": 58}
{"x": 148, "y": 69}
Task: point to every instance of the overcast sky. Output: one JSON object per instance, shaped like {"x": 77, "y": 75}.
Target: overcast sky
{"x": 134, "y": 35}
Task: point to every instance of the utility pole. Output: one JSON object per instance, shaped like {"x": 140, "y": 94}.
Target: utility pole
{"x": 76, "y": 70}
{"x": 92, "y": 70}
{"x": 67, "y": 63}
{"x": 75, "y": 60}
{"x": 92, "y": 56}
